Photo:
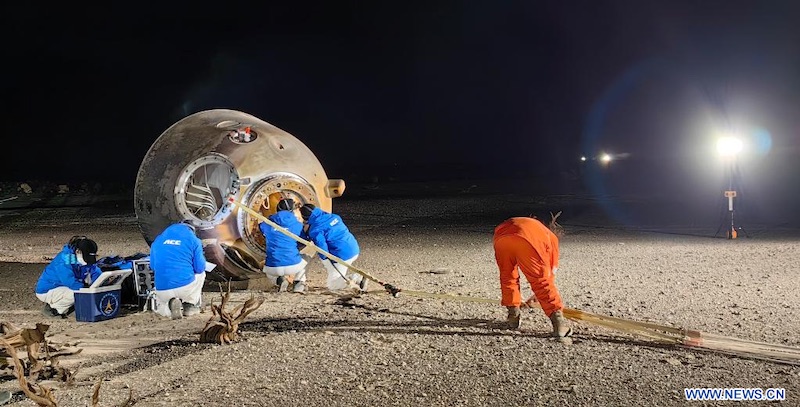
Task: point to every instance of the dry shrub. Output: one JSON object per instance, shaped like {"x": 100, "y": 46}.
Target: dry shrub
{"x": 223, "y": 326}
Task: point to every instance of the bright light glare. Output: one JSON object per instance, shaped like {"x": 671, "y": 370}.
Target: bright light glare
{"x": 729, "y": 146}
{"x": 583, "y": 158}
{"x": 606, "y": 158}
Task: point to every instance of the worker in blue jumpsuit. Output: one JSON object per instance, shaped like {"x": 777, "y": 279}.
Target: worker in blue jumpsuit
{"x": 72, "y": 269}
{"x": 179, "y": 271}
{"x": 282, "y": 255}
{"x": 328, "y": 232}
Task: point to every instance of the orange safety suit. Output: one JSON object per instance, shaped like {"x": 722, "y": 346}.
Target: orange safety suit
{"x": 527, "y": 244}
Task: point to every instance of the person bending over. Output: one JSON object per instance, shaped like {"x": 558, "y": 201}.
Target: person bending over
{"x": 328, "y": 232}
{"x": 528, "y": 245}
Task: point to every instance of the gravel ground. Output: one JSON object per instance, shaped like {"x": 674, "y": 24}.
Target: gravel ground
{"x": 322, "y": 349}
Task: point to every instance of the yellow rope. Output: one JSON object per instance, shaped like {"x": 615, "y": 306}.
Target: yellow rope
{"x": 656, "y": 332}
{"x": 296, "y": 238}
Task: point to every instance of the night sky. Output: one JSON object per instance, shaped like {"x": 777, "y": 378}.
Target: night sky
{"x": 460, "y": 89}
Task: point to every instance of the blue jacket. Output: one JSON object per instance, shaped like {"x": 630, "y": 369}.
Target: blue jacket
{"x": 65, "y": 271}
{"x": 329, "y": 233}
{"x": 176, "y": 255}
{"x": 281, "y": 249}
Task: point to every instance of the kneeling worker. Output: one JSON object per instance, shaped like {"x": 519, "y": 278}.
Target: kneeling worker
{"x": 527, "y": 244}
{"x": 72, "y": 269}
{"x": 179, "y": 270}
{"x": 328, "y": 232}
{"x": 283, "y": 257}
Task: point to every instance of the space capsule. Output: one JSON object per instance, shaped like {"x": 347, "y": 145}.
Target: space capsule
{"x": 197, "y": 165}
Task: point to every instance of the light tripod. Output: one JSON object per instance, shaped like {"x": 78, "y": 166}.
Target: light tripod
{"x": 728, "y": 222}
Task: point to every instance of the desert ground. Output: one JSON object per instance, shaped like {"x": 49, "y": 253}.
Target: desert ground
{"x": 320, "y": 350}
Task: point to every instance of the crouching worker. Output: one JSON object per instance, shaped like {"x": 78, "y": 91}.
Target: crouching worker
{"x": 178, "y": 263}
{"x": 283, "y": 257}
{"x": 329, "y": 233}
{"x": 527, "y": 244}
{"x": 72, "y": 269}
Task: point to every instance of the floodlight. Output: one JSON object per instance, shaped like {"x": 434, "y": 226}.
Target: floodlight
{"x": 583, "y": 158}
{"x": 606, "y": 158}
{"x": 729, "y": 146}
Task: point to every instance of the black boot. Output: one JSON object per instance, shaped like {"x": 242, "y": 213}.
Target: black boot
{"x": 48, "y": 311}
{"x": 67, "y": 313}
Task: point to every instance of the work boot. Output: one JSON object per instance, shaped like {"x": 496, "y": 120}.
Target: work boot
{"x": 282, "y": 283}
{"x": 175, "y": 308}
{"x": 513, "y": 319}
{"x": 190, "y": 309}
{"x": 49, "y": 311}
{"x": 299, "y": 287}
{"x": 69, "y": 311}
{"x": 561, "y": 328}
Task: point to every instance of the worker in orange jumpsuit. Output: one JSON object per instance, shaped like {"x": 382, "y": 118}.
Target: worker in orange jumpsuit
{"x": 527, "y": 244}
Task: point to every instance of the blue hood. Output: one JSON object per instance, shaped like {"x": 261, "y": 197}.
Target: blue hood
{"x": 281, "y": 249}
{"x": 329, "y": 233}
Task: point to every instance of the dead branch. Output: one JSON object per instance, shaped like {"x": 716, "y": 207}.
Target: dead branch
{"x": 96, "y": 395}
{"x": 554, "y": 226}
{"x": 23, "y": 337}
{"x": 19, "y": 338}
{"x": 7, "y": 327}
{"x": 55, "y": 353}
{"x": 130, "y": 401}
{"x": 248, "y": 307}
{"x": 42, "y": 357}
{"x": 223, "y": 325}
{"x": 41, "y": 395}
{"x": 39, "y": 350}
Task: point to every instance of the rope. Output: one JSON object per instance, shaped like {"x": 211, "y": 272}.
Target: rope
{"x": 392, "y": 290}
{"x": 659, "y": 333}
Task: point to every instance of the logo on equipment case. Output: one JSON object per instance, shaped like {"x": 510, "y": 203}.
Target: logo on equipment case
{"x": 109, "y": 304}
